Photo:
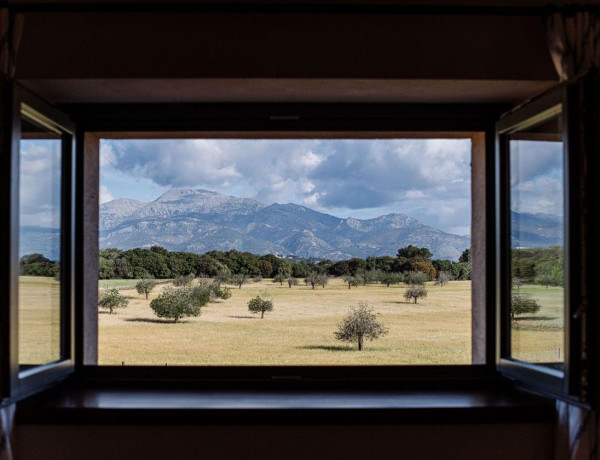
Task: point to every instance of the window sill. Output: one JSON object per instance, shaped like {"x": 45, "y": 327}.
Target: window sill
{"x": 98, "y": 405}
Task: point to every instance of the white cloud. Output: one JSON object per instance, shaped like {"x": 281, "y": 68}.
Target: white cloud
{"x": 342, "y": 176}
{"x": 105, "y": 194}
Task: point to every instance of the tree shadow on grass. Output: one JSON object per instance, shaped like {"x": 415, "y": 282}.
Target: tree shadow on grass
{"x": 152, "y": 320}
{"x": 244, "y": 317}
{"x": 535, "y": 318}
{"x": 327, "y": 347}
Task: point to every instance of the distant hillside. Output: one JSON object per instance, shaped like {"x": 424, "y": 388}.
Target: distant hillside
{"x": 536, "y": 230}
{"x": 200, "y": 221}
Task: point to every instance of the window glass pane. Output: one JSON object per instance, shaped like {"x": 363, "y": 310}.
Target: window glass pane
{"x": 537, "y": 304}
{"x": 39, "y": 245}
{"x": 315, "y": 227}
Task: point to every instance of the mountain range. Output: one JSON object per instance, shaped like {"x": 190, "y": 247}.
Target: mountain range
{"x": 198, "y": 221}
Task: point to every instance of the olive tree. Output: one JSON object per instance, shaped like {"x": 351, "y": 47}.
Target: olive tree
{"x": 323, "y": 279}
{"x": 390, "y": 278}
{"x": 178, "y": 303}
{"x": 110, "y": 299}
{"x": 443, "y": 278}
{"x": 145, "y": 286}
{"x": 350, "y": 280}
{"x": 415, "y": 277}
{"x": 239, "y": 280}
{"x": 360, "y": 323}
{"x": 313, "y": 278}
{"x": 184, "y": 280}
{"x": 260, "y": 305}
{"x": 522, "y": 304}
{"x": 291, "y": 281}
{"x": 415, "y": 292}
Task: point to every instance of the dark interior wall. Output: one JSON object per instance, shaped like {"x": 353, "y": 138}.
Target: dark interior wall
{"x": 193, "y": 45}
{"x": 414, "y": 442}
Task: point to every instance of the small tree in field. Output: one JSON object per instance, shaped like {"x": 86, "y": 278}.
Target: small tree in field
{"x": 415, "y": 292}
{"x": 178, "y": 303}
{"x": 260, "y": 305}
{"x": 522, "y": 304}
{"x": 183, "y": 280}
{"x": 360, "y": 323}
{"x": 291, "y": 281}
{"x": 110, "y": 299}
{"x": 313, "y": 278}
{"x": 280, "y": 277}
{"x": 517, "y": 283}
{"x": 414, "y": 277}
{"x": 239, "y": 280}
{"x": 443, "y": 278}
{"x": 323, "y": 279}
{"x": 350, "y": 280}
{"x": 145, "y": 286}
{"x": 390, "y": 278}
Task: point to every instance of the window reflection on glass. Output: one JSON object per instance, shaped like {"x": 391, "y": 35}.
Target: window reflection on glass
{"x": 537, "y": 304}
{"x": 39, "y": 245}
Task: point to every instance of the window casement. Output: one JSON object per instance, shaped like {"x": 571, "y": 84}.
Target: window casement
{"x": 543, "y": 157}
{"x": 491, "y": 203}
{"x": 39, "y": 348}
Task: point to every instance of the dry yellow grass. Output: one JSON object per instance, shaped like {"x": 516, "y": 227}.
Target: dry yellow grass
{"x": 299, "y": 331}
{"x": 39, "y": 320}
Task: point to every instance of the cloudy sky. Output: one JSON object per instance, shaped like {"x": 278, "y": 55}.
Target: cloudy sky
{"x": 537, "y": 177}
{"x": 39, "y": 183}
{"x": 426, "y": 179}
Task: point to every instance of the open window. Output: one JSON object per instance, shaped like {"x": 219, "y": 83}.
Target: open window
{"x": 39, "y": 346}
{"x": 542, "y": 312}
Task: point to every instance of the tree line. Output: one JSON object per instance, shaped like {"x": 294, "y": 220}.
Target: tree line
{"x": 163, "y": 264}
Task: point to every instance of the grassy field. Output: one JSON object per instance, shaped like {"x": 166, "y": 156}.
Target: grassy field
{"x": 540, "y": 338}
{"x": 39, "y": 320}
{"x": 437, "y": 330}
{"x": 120, "y": 284}
{"x": 299, "y": 331}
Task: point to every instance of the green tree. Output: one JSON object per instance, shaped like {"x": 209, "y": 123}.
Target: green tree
{"x": 465, "y": 257}
{"x": 360, "y": 323}
{"x": 110, "y": 299}
{"x": 412, "y": 278}
{"x": 260, "y": 305}
{"x": 176, "y": 303}
{"x": 390, "y": 278}
{"x": 443, "y": 278}
{"x": 521, "y": 304}
{"x": 291, "y": 281}
{"x": 323, "y": 279}
{"x": 185, "y": 280}
{"x": 414, "y": 252}
{"x": 415, "y": 292}
{"x": 145, "y": 286}
{"x": 239, "y": 280}
{"x": 280, "y": 277}
{"x": 351, "y": 280}
{"x": 313, "y": 278}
